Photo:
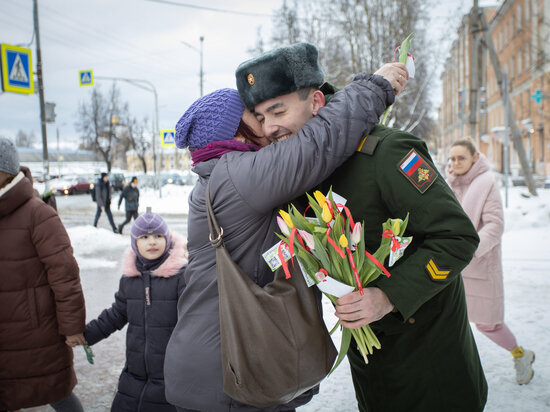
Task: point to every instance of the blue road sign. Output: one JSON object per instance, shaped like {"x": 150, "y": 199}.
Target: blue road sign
{"x": 86, "y": 78}
{"x": 168, "y": 138}
{"x": 16, "y": 69}
{"x": 538, "y": 96}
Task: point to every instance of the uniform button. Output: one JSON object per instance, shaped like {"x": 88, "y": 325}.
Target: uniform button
{"x": 412, "y": 320}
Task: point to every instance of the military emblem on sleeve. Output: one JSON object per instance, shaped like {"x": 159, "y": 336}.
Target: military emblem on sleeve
{"x": 436, "y": 273}
{"x": 417, "y": 171}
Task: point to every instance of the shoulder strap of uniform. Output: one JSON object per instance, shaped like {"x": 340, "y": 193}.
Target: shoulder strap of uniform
{"x": 328, "y": 90}
{"x": 368, "y": 144}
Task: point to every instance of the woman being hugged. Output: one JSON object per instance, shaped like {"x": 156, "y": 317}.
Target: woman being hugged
{"x": 469, "y": 176}
{"x": 147, "y": 298}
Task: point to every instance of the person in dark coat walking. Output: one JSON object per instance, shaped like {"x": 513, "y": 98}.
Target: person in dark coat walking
{"x": 146, "y": 300}
{"x": 131, "y": 194}
{"x": 41, "y": 300}
{"x": 103, "y": 199}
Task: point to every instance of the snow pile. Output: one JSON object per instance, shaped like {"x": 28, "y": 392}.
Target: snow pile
{"x": 525, "y": 211}
{"x": 173, "y": 201}
{"x": 90, "y": 245}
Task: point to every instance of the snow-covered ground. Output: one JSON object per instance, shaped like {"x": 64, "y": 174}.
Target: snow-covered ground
{"x": 527, "y": 288}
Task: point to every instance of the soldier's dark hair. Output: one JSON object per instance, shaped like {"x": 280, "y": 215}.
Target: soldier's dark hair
{"x": 303, "y": 94}
{"x": 468, "y": 143}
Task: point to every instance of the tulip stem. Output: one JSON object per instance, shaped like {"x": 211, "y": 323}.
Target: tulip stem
{"x": 403, "y": 51}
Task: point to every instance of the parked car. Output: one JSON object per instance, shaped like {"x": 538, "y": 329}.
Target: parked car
{"x": 171, "y": 179}
{"x": 146, "y": 180}
{"x": 190, "y": 178}
{"x": 117, "y": 181}
{"x": 71, "y": 185}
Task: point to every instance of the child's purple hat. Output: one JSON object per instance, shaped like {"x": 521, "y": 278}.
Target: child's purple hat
{"x": 149, "y": 224}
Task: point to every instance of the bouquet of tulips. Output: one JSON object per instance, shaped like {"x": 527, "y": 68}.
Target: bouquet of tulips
{"x": 330, "y": 249}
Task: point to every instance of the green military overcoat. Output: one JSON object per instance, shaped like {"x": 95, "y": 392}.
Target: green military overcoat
{"x": 428, "y": 360}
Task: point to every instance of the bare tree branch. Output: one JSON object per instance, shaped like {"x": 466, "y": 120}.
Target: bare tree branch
{"x": 361, "y": 35}
{"x": 420, "y": 117}
{"x": 97, "y": 121}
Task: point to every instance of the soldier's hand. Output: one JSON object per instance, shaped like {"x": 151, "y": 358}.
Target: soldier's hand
{"x": 396, "y": 74}
{"x": 356, "y": 311}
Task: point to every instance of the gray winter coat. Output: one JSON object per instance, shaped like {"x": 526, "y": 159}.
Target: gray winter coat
{"x": 247, "y": 190}
{"x": 103, "y": 193}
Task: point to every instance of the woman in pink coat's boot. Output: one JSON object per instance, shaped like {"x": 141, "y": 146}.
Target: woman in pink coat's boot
{"x": 469, "y": 176}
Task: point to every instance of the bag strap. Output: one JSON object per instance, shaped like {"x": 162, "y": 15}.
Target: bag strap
{"x": 216, "y": 232}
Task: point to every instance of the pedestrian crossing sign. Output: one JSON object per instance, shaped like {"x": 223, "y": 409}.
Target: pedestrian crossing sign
{"x": 167, "y": 138}
{"x": 86, "y": 78}
{"x": 16, "y": 64}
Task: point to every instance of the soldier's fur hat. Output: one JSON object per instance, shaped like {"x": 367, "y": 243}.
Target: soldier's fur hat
{"x": 278, "y": 72}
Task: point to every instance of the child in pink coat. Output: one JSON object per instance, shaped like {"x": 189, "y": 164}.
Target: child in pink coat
{"x": 469, "y": 176}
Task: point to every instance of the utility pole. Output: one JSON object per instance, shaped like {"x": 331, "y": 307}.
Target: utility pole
{"x": 461, "y": 94}
{"x": 506, "y": 138}
{"x": 201, "y": 72}
{"x": 45, "y": 161}
{"x": 518, "y": 145}
{"x": 474, "y": 66}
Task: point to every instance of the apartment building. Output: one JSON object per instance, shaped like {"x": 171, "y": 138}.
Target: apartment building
{"x": 520, "y": 30}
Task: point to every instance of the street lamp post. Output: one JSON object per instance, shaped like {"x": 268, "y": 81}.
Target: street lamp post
{"x": 201, "y": 72}
{"x": 45, "y": 160}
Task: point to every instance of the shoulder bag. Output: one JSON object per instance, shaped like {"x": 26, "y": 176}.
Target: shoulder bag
{"x": 274, "y": 342}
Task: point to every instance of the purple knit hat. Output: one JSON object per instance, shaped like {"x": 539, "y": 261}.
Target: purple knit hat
{"x": 211, "y": 118}
{"x": 149, "y": 224}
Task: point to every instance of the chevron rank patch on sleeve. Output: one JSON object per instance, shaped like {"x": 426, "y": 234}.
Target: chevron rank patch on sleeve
{"x": 435, "y": 273}
{"x": 417, "y": 171}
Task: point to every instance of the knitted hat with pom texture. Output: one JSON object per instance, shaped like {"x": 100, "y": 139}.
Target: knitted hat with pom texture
{"x": 213, "y": 117}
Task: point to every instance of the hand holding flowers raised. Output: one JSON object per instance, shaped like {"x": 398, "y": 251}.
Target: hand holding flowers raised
{"x": 396, "y": 74}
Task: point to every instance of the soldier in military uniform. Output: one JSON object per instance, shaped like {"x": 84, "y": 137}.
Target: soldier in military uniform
{"x": 428, "y": 360}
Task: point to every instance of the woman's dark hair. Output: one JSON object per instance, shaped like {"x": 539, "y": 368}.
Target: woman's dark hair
{"x": 245, "y": 131}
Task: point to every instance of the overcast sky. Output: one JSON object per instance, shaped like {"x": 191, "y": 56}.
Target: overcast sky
{"x": 138, "y": 39}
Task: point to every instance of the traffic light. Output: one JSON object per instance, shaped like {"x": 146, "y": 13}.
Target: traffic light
{"x": 49, "y": 109}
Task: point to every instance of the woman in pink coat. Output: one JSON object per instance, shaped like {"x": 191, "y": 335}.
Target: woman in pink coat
{"x": 469, "y": 175}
